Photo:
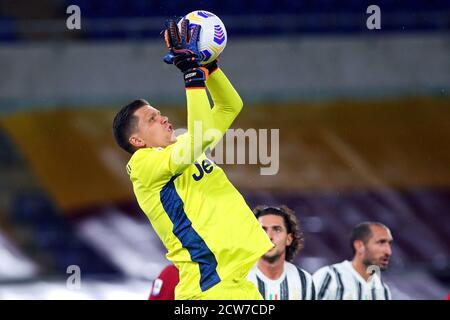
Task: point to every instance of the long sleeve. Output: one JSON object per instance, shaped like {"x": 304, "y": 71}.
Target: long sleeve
{"x": 227, "y": 102}
{"x": 191, "y": 145}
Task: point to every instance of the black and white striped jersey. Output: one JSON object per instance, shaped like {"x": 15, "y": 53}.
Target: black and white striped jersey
{"x": 341, "y": 281}
{"x": 293, "y": 284}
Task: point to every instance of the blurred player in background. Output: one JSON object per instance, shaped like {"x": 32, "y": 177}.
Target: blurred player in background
{"x": 163, "y": 288}
{"x": 276, "y": 277}
{"x": 357, "y": 279}
{"x": 210, "y": 233}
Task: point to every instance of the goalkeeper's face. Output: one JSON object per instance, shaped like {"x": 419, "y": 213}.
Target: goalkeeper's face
{"x": 152, "y": 129}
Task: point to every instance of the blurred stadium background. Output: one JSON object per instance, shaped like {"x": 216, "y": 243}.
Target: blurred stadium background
{"x": 364, "y": 119}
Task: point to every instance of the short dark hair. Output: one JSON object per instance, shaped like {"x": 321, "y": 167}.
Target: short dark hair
{"x": 125, "y": 123}
{"x": 363, "y": 233}
{"x": 291, "y": 223}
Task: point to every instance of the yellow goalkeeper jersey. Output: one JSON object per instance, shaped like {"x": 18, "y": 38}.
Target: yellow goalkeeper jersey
{"x": 210, "y": 233}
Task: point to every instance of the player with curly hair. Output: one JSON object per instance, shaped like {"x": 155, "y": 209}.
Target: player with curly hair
{"x": 276, "y": 277}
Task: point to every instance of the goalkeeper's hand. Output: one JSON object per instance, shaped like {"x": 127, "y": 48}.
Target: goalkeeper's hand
{"x": 184, "y": 52}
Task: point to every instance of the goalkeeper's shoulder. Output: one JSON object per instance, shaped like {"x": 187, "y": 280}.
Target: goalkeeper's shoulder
{"x": 150, "y": 164}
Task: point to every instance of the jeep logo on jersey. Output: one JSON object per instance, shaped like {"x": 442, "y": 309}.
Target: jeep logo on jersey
{"x": 206, "y": 167}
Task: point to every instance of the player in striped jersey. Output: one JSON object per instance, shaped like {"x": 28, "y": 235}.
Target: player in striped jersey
{"x": 358, "y": 279}
{"x": 274, "y": 274}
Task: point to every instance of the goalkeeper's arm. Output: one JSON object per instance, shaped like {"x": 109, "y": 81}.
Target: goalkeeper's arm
{"x": 192, "y": 144}
{"x": 183, "y": 46}
{"x": 227, "y": 102}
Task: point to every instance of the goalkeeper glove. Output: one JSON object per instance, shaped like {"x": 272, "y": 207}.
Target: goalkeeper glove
{"x": 184, "y": 52}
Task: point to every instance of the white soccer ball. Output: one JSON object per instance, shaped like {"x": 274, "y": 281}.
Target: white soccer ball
{"x": 213, "y": 35}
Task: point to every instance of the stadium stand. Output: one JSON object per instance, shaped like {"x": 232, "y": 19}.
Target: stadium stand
{"x": 139, "y": 19}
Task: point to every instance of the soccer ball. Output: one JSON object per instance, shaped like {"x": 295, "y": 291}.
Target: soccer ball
{"x": 213, "y": 35}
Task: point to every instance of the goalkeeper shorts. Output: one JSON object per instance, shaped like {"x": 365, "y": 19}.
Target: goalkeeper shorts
{"x": 236, "y": 289}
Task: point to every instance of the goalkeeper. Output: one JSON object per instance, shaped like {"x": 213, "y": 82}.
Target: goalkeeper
{"x": 210, "y": 233}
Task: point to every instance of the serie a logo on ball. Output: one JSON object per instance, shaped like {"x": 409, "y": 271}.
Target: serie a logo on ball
{"x": 213, "y": 35}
